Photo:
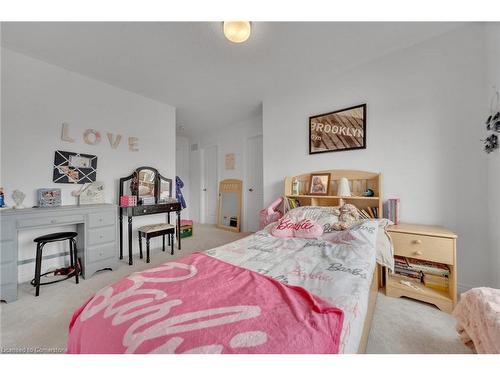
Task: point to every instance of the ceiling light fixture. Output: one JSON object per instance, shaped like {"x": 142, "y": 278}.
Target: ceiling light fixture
{"x": 237, "y": 31}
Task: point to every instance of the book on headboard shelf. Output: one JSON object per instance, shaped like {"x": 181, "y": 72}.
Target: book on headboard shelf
{"x": 391, "y": 209}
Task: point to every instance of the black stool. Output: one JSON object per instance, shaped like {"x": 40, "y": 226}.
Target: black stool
{"x": 156, "y": 230}
{"x": 53, "y": 237}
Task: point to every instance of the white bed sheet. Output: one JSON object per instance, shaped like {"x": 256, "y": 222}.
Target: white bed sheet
{"x": 339, "y": 270}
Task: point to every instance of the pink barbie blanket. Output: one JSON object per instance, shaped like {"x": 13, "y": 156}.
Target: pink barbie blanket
{"x": 199, "y": 304}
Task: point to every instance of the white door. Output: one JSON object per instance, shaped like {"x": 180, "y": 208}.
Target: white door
{"x": 254, "y": 183}
{"x": 209, "y": 185}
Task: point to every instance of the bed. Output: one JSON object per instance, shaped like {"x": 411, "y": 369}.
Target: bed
{"x": 260, "y": 294}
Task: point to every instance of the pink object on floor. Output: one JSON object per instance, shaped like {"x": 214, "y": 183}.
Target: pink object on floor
{"x": 478, "y": 319}
{"x": 199, "y": 304}
{"x": 186, "y": 222}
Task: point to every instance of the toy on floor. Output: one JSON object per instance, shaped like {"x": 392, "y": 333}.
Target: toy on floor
{"x": 186, "y": 228}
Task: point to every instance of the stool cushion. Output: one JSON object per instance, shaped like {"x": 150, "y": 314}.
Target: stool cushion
{"x": 155, "y": 228}
{"x": 60, "y": 236}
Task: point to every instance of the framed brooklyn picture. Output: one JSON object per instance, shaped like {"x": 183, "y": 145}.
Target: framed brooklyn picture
{"x": 338, "y": 131}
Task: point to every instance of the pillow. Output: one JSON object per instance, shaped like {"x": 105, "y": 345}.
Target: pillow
{"x": 385, "y": 250}
{"x": 324, "y": 216}
{"x": 289, "y": 227}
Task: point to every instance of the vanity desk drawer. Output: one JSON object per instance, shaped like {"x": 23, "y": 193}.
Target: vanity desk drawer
{"x": 101, "y": 252}
{"x": 49, "y": 220}
{"x": 101, "y": 235}
{"x": 101, "y": 219}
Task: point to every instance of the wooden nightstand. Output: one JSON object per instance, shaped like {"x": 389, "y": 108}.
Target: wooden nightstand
{"x": 430, "y": 243}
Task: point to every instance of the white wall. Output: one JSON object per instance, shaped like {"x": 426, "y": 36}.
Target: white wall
{"x": 182, "y": 170}
{"x": 424, "y": 111}
{"x": 228, "y": 140}
{"x": 38, "y": 97}
{"x": 492, "y": 84}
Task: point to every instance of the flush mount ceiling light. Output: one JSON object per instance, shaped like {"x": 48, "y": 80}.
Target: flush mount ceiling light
{"x": 237, "y": 31}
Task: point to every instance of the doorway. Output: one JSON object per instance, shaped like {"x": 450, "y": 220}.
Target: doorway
{"x": 254, "y": 194}
{"x": 209, "y": 185}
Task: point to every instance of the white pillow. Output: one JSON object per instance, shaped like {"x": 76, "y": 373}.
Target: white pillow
{"x": 385, "y": 250}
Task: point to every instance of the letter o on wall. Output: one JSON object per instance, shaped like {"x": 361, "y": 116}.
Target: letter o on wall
{"x": 92, "y": 137}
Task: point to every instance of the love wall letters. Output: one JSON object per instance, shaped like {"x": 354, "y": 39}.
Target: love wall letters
{"x": 93, "y": 137}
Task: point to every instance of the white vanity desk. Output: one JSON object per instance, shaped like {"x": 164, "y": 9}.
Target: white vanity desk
{"x": 97, "y": 239}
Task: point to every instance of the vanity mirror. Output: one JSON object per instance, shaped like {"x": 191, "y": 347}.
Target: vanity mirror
{"x": 229, "y": 212}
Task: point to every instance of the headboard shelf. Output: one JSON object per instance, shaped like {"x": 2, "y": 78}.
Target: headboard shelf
{"x": 359, "y": 182}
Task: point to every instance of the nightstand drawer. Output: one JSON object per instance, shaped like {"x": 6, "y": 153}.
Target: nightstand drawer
{"x": 435, "y": 249}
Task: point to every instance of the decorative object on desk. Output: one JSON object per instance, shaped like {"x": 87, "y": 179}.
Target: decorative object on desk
{"x": 92, "y": 194}
{"x": 344, "y": 190}
{"x": 128, "y": 201}
{"x": 71, "y": 167}
{"x": 2, "y": 198}
{"x": 148, "y": 200}
{"x": 18, "y": 197}
{"x": 338, "y": 131}
{"x": 319, "y": 183}
{"x": 230, "y": 161}
{"x": 369, "y": 193}
{"x": 179, "y": 184}
{"x": 48, "y": 197}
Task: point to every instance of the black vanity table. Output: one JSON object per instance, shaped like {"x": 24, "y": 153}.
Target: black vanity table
{"x": 146, "y": 183}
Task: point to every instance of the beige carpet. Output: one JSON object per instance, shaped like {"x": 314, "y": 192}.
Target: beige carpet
{"x": 40, "y": 324}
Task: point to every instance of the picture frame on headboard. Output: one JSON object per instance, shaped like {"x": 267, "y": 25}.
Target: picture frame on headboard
{"x": 340, "y": 130}
{"x": 319, "y": 184}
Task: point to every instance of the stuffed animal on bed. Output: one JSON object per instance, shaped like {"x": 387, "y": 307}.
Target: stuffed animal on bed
{"x": 348, "y": 216}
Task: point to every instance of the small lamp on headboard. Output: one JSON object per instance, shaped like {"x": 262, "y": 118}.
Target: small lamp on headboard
{"x": 344, "y": 190}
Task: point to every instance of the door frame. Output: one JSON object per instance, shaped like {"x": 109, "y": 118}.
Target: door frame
{"x": 203, "y": 218}
{"x": 246, "y": 184}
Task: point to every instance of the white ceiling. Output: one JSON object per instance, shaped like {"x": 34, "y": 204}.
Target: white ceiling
{"x": 212, "y": 82}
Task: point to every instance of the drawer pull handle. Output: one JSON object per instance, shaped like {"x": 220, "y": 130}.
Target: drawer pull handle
{"x": 418, "y": 242}
{"x": 53, "y": 221}
{"x": 418, "y": 252}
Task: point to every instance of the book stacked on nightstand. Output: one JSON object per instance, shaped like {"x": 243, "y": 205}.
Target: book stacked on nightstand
{"x": 433, "y": 275}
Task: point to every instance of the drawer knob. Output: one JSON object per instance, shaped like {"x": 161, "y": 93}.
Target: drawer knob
{"x": 53, "y": 221}
{"x": 418, "y": 252}
{"x": 418, "y": 242}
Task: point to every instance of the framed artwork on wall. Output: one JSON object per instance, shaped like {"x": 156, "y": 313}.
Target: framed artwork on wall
{"x": 338, "y": 131}
{"x": 74, "y": 168}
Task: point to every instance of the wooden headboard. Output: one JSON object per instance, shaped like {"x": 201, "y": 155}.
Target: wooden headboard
{"x": 359, "y": 182}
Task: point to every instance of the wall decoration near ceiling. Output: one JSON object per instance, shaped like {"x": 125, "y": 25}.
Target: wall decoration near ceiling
{"x": 230, "y": 161}
{"x": 338, "y": 131}
{"x": 74, "y": 168}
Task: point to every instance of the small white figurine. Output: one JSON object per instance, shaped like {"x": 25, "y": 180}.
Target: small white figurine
{"x": 18, "y": 197}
